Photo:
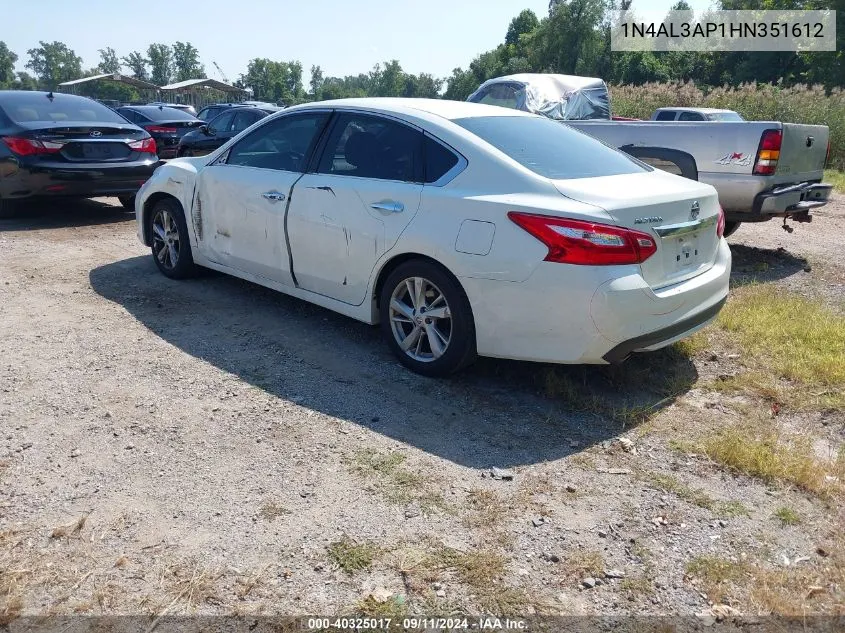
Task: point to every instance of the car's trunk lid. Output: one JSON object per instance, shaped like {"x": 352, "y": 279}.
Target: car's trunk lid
{"x": 680, "y": 214}
{"x": 88, "y": 142}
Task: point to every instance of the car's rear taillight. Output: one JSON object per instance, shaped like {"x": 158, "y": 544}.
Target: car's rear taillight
{"x": 768, "y": 153}
{"x": 586, "y": 243}
{"x": 145, "y": 146}
{"x": 160, "y": 129}
{"x": 31, "y": 147}
{"x": 720, "y": 222}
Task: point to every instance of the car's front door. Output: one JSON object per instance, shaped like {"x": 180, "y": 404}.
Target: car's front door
{"x": 244, "y": 195}
{"x": 345, "y": 215}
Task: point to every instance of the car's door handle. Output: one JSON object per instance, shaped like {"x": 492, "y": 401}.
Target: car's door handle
{"x": 273, "y": 196}
{"x": 388, "y": 206}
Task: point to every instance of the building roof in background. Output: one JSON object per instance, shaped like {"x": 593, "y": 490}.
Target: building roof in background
{"x": 126, "y": 79}
{"x": 197, "y": 83}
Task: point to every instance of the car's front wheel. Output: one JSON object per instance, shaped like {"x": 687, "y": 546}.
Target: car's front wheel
{"x": 426, "y": 319}
{"x": 171, "y": 245}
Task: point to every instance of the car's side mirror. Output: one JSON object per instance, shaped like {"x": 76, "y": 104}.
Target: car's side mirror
{"x": 207, "y": 130}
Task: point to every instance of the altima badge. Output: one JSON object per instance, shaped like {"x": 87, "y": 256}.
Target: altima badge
{"x": 694, "y": 210}
{"x": 648, "y": 220}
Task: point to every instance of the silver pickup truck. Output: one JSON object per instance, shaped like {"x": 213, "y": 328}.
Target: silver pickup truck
{"x": 761, "y": 169}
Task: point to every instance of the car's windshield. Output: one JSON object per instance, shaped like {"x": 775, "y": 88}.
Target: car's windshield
{"x": 165, "y": 114}
{"x": 38, "y": 107}
{"x": 550, "y": 148}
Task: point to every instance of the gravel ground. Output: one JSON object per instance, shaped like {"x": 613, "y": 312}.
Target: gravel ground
{"x": 197, "y": 447}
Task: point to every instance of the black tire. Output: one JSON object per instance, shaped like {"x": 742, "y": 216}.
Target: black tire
{"x": 177, "y": 230}
{"x": 460, "y": 348}
{"x": 730, "y": 228}
{"x": 127, "y": 202}
{"x": 10, "y": 208}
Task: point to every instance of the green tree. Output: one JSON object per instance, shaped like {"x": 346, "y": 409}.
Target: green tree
{"x": 186, "y": 62}
{"x": 7, "y": 66}
{"x": 316, "y": 82}
{"x": 25, "y": 81}
{"x": 54, "y": 63}
{"x": 109, "y": 63}
{"x": 525, "y": 22}
{"x": 137, "y": 65}
{"x": 160, "y": 59}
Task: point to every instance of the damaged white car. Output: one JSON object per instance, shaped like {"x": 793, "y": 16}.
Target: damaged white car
{"x": 463, "y": 229}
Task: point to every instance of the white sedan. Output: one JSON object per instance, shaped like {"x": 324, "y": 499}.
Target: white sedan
{"x": 463, "y": 229}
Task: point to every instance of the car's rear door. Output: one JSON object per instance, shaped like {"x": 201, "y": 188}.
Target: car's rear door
{"x": 243, "y": 196}
{"x": 365, "y": 191}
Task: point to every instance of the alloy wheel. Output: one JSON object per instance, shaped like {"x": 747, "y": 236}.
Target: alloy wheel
{"x": 420, "y": 319}
{"x": 166, "y": 239}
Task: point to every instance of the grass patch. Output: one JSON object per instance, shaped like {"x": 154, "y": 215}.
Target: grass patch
{"x": 581, "y": 564}
{"x": 695, "y": 496}
{"x": 352, "y": 556}
{"x": 272, "y": 510}
{"x": 787, "y": 516}
{"x": 793, "y": 347}
{"x": 394, "y": 607}
{"x": 835, "y": 178}
{"x": 395, "y": 482}
{"x": 763, "y": 452}
{"x": 715, "y": 575}
{"x": 637, "y": 586}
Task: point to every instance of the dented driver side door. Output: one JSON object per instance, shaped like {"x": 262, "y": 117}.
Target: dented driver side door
{"x": 244, "y": 196}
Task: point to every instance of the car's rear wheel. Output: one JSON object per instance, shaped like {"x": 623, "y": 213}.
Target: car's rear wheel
{"x": 426, "y": 319}
{"x": 127, "y": 202}
{"x": 730, "y": 228}
{"x": 186, "y": 153}
{"x": 171, "y": 246}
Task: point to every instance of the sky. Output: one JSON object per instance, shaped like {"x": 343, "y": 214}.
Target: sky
{"x": 344, "y": 37}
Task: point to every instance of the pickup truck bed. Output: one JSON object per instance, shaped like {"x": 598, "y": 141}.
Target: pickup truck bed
{"x": 725, "y": 154}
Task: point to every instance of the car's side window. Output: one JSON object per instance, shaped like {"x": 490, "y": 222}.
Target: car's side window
{"x": 129, "y": 115}
{"x": 666, "y": 115}
{"x": 503, "y": 95}
{"x": 222, "y": 123}
{"x": 690, "y": 116}
{"x": 373, "y": 147}
{"x": 438, "y": 160}
{"x": 243, "y": 120}
{"x": 283, "y": 144}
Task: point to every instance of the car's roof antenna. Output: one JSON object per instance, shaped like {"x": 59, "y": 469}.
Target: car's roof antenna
{"x": 50, "y": 95}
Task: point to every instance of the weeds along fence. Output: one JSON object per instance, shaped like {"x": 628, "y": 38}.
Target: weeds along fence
{"x": 763, "y": 102}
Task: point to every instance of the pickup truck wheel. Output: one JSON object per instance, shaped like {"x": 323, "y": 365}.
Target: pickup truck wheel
{"x": 730, "y": 228}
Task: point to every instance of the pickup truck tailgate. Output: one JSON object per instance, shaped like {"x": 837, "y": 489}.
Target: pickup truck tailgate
{"x": 803, "y": 151}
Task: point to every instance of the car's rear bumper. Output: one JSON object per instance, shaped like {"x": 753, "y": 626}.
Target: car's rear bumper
{"x": 798, "y": 198}
{"x": 591, "y": 315}
{"x": 24, "y": 180}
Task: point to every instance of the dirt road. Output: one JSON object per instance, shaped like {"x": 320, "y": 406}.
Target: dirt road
{"x": 210, "y": 446}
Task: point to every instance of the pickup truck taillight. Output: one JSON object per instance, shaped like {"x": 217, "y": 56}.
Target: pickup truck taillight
{"x": 768, "y": 153}
{"x": 586, "y": 243}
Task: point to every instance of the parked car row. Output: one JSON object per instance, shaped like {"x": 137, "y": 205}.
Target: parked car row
{"x": 463, "y": 229}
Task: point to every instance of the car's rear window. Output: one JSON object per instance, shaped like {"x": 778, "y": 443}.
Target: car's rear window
{"x": 37, "y": 107}
{"x": 724, "y": 116}
{"x": 164, "y": 113}
{"x": 549, "y": 148}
